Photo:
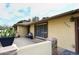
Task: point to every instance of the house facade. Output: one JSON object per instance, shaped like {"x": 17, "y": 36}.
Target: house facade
{"x": 64, "y": 27}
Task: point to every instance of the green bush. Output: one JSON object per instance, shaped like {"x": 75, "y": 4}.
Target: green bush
{"x": 9, "y": 32}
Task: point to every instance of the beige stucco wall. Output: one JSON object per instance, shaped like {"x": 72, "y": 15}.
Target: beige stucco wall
{"x": 21, "y": 30}
{"x": 60, "y": 28}
{"x": 32, "y": 29}
{"x": 63, "y": 30}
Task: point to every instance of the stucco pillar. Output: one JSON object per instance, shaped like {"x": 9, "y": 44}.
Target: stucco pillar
{"x": 54, "y": 46}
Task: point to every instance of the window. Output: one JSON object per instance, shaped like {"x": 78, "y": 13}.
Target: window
{"x": 41, "y": 30}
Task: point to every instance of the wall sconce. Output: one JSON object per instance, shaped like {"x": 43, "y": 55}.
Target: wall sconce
{"x": 72, "y": 19}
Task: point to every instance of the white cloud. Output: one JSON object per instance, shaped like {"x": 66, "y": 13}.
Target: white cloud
{"x": 13, "y": 15}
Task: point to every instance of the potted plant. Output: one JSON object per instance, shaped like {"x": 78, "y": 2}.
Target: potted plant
{"x": 7, "y": 37}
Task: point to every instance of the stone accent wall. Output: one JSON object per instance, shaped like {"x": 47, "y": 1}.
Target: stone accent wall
{"x": 21, "y": 31}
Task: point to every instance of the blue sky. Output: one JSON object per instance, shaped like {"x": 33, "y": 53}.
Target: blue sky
{"x": 11, "y": 13}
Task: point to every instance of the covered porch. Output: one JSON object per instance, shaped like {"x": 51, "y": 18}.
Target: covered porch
{"x": 39, "y": 29}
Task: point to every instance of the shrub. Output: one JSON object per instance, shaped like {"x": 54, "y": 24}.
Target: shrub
{"x": 9, "y": 32}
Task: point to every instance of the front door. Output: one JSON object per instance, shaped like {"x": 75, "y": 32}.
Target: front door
{"x": 77, "y": 34}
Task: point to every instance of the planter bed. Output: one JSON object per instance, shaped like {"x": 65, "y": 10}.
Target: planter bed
{"x": 6, "y": 41}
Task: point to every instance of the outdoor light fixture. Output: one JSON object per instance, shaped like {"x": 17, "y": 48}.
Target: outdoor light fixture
{"x": 72, "y": 19}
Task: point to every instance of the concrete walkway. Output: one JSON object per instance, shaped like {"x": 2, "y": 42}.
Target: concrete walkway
{"x": 20, "y": 42}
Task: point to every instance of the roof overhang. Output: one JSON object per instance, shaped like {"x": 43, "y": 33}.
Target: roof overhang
{"x": 49, "y": 18}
